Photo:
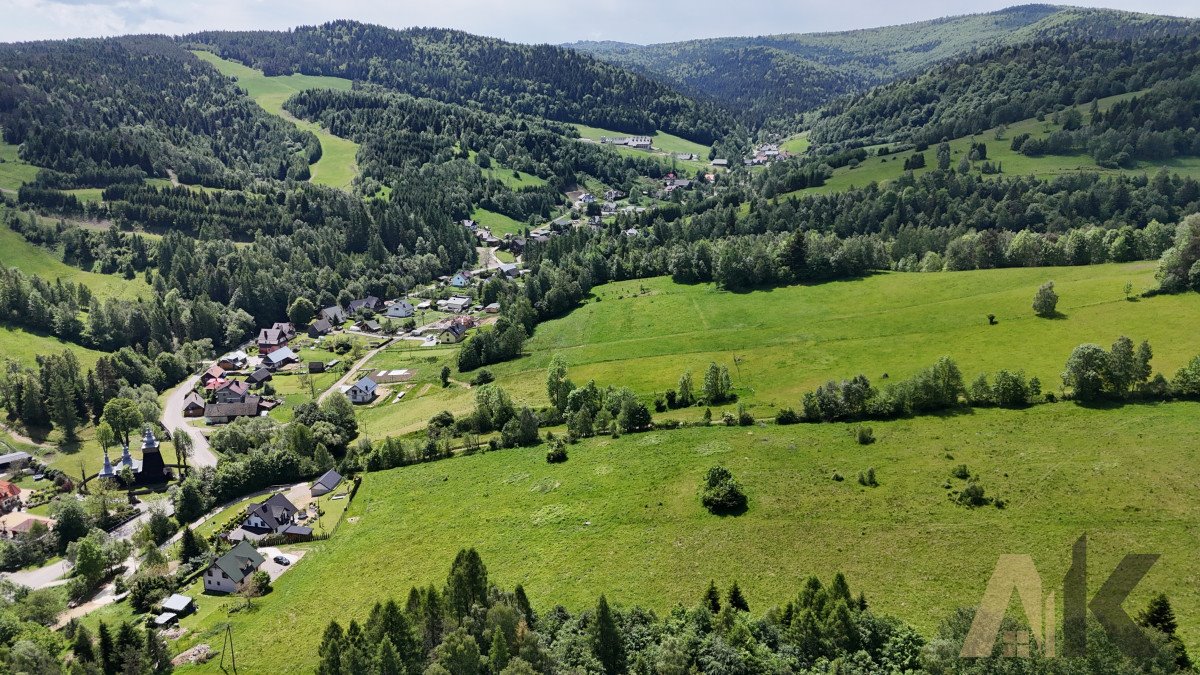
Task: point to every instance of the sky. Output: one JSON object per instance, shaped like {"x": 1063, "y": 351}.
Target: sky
{"x": 530, "y": 21}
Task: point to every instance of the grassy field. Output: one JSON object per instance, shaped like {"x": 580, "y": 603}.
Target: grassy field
{"x": 646, "y": 333}
{"x": 797, "y": 144}
{"x": 23, "y": 345}
{"x": 506, "y": 175}
{"x": 33, "y": 259}
{"x": 890, "y": 167}
{"x": 661, "y": 140}
{"x": 623, "y": 517}
{"x": 13, "y": 170}
{"x": 337, "y": 167}
{"x": 498, "y": 223}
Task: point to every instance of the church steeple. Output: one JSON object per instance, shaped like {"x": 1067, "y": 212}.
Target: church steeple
{"x": 107, "y": 470}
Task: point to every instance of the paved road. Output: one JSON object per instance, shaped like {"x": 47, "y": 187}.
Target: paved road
{"x": 173, "y": 419}
{"x": 345, "y": 379}
{"x": 42, "y": 577}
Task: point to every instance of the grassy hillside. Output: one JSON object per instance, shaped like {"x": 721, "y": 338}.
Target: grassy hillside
{"x": 337, "y": 167}
{"x": 645, "y": 334}
{"x": 623, "y": 517}
{"x": 664, "y": 145}
{"x": 498, "y": 223}
{"x": 24, "y": 346}
{"x": 889, "y": 167}
{"x": 13, "y": 170}
{"x": 16, "y": 252}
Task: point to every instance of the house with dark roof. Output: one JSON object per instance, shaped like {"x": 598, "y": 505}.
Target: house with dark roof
{"x": 362, "y": 391}
{"x": 319, "y": 327}
{"x": 279, "y": 358}
{"x": 271, "y": 339}
{"x": 509, "y": 270}
{"x": 193, "y": 405}
{"x": 327, "y": 483}
{"x": 270, "y": 516}
{"x": 233, "y": 360}
{"x": 285, "y": 328}
{"x": 232, "y": 391}
{"x": 230, "y": 571}
{"x": 223, "y": 413}
{"x": 452, "y": 334}
{"x": 14, "y": 458}
{"x": 370, "y": 302}
{"x": 368, "y": 326}
{"x": 335, "y": 315}
{"x": 256, "y": 379}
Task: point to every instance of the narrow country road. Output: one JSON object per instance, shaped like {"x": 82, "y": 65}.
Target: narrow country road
{"x": 173, "y": 419}
{"x": 345, "y": 379}
{"x": 41, "y": 577}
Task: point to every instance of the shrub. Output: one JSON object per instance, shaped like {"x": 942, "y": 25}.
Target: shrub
{"x": 972, "y": 496}
{"x": 1045, "y": 301}
{"x": 482, "y": 377}
{"x": 865, "y": 435}
{"x": 787, "y": 416}
{"x": 262, "y": 582}
{"x": 837, "y": 477}
{"x": 728, "y": 419}
{"x": 745, "y": 419}
{"x": 868, "y": 479}
{"x": 961, "y": 472}
{"x": 557, "y": 454}
{"x": 721, "y": 493}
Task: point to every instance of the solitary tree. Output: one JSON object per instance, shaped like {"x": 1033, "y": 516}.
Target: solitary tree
{"x": 301, "y": 311}
{"x": 183, "y": 446}
{"x": 1045, "y": 301}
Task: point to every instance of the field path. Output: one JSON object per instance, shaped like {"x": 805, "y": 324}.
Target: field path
{"x": 358, "y": 365}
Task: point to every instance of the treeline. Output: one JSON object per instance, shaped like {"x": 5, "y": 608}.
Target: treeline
{"x": 469, "y": 626}
{"x": 1004, "y": 85}
{"x": 1179, "y": 266}
{"x": 107, "y": 111}
{"x": 457, "y": 67}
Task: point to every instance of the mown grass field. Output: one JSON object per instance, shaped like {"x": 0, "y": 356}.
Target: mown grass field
{"x": 889, "y": 167}
{"x": 337, "y": 166}
{"x": 13, "y": 170}
{"x": 661, "y": 140}
{"x": 797, "y": 144}
{"x": 623, "y": 517}
{"x": 498, "y": 223}
{"x": 24, "y": 346}
{"x": 15, "y": 251}
{"x": 787, "y": 341}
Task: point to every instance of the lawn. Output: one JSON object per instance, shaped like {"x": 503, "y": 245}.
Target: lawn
{"x": 24, "y": 346}
{"x": 13, "y": 170}
{"x": 511, "y": 178}
{"x": 337, "y": 166}
{"x": 498, "y": 223}
{"x": 622, "y": 517}
{"x": 33, "y": 259}
{"x": 890, "y": 167}
{"x": 797, "y": 144}
{"x": 645, "y": 334}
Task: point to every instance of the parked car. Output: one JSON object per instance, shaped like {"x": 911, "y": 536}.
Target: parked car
{"x": 282, "y": 560}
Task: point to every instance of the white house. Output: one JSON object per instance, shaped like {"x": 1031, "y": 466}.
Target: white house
{"x": 455, "y": 304}
{"x": 230, "y": 571}
{"x": 400, "y": 309}
{"x": 362, "y": 391}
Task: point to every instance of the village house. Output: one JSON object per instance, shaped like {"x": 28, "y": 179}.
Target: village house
{"x": 193, "y": 405}
{"x": 720, "y": 162}
{"x": 493, "y": 308}
{"x": 469, "y": 224}
{"x": 509, "y": 270}
{"x": 223, "y": 413}
{"x": 232, "y": 391}
{"x": 461, "y": 280}
{"x": 10, "y": 496}
{"x": 368, "y": 326}
{"x": 362, "y": 391}
{"x": 230, "y": 571}
{"x": 258, "y": 377}
{"x": 613, "y": 195}
{"x": 452, "y": 334}
{"x": 335, "y": 315}
{"x": 16, "y": 524}
{"x": 271, "y": 339}
{"x": 285, "y": 328}
{"x": 400, "y": 309}
{"x": 233, "y": 360}
{"x": 215, "y": 373}
{"x": 279, "y": 358}
{"x": 370, "y": 303}
{"x": 275, "y": 516}
{"x": 456, "y": 304}
{"x": 327, "y": 483}
{"x": 319, "y": 328}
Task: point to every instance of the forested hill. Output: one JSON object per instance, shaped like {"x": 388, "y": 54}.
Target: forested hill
{"x": 456, "y": 67}
{"x": 99, "y": 112}
{"x": 1019, "y": 82}
{"x": 769, "y": 80}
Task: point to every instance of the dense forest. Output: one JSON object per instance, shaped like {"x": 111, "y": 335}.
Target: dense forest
{"x": 769, "y": 81}
{"x": 456, "y": 67}
{"x": 99, "y": 112}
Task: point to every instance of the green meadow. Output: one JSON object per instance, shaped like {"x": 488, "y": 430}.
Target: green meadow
{"x": 780, "y": 343}
{"x": 623, "y": 517}
{"x": 797, "y": 144}
{"x": 337, "y": 167}
{"x": 661, "y": 140}
{"x": 13, "y": 170}
{"x": 498, "y": 223}
{"x": 24, "y": 346}
{"x": 889, "y": 167}
{"x": 33, "y": 259}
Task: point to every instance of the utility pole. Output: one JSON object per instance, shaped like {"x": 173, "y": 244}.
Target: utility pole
{"x": 228, "y": 644}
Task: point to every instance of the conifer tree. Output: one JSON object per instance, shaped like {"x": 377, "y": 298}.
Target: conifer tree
{"x": 606, "y": 640}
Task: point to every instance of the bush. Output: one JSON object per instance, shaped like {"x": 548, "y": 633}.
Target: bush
{"x": 961, "y": 472}
{"x": 721, "y": 493}
{"x": 787, "y": 416}
{"x": 1045, "y": 302}
{"x": 868, "y": 479}
{"x": 865, "y": 435}
{"x": 557, "y": 454}
{"x": 744, "y": 418}
{"x": 482, "y": 377}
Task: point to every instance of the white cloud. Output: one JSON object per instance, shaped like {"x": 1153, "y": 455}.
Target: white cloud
{"x": 521, "y": 20}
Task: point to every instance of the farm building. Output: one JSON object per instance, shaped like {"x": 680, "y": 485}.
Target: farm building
{"x": 279, "y": 358}
{"x": 326, "y": 483}
{"x": 392, "y": 376}
{"x": 230, "y": 571}
{"x": 193, "y": 405}
{"x": 319, "y": 327}
{"x": 223, "y": 413}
